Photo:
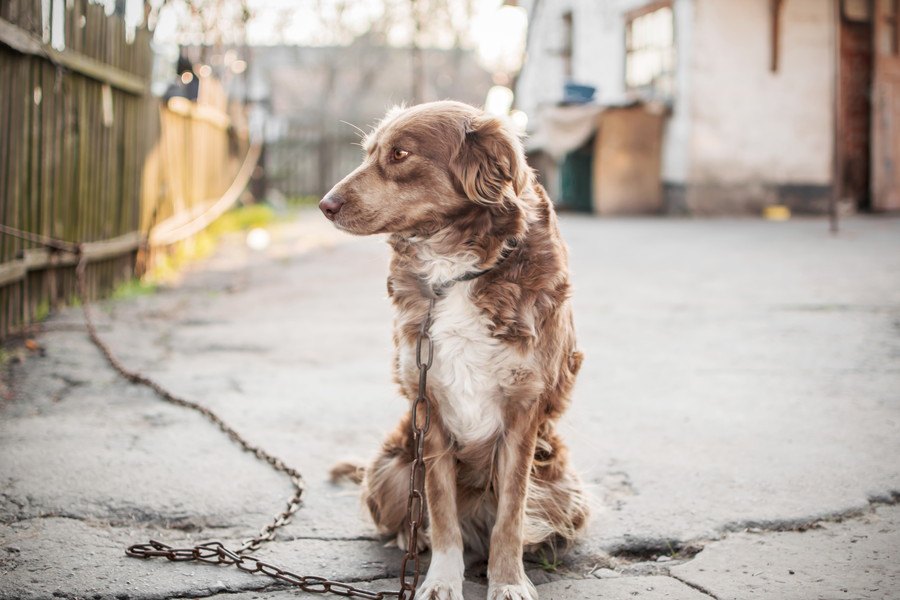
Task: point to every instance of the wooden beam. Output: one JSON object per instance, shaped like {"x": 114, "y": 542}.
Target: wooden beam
{"x": 775, "y": 7}
{"x": 26, "y": 43}
{"x": 36, "y": 259}
{"x": 113, "y": 247}
{"x": 11, "y": 272}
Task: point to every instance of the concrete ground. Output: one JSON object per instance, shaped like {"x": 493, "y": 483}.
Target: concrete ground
{"x": 737, "y": 418}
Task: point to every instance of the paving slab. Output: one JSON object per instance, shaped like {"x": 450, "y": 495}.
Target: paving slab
{"x": 72, "y": 558}
{"x": 471, "y": 591}
{"x": 641, "y": 588}
{"x": 858, "y": 559}
{"x": 739, "y": 374}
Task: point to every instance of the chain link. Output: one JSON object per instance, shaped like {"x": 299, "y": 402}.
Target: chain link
{"x": 215, "y": 552}
{"x": 415, "y": 504}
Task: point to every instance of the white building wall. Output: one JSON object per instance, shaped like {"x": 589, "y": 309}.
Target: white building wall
{"x": 541, "y": 80}
{"x": 676, "y": 154}
{"x": 598, "y": 59}
{"x": 749, "y": 125}
{"x": 738, "y": 134}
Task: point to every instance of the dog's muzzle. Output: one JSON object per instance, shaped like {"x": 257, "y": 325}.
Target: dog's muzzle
{"x": 331, "y": 205}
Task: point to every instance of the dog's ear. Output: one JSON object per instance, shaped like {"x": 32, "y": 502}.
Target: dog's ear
{"x": 490, "y": 162}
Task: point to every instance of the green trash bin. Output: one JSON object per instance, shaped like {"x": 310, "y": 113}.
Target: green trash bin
{"x": 576, "y": 179}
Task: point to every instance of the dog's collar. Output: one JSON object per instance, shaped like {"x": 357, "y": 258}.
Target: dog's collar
{"x": 436, "y": 291}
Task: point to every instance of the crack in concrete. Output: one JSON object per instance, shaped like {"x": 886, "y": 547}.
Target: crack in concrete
{"x": 211, "y": 593}
{"x": 336, "y": 538}
{"x": 628, "y": 559}
{"x": 890, "y": 498}
{"x": 630, "y": 555}
{"x": 16, "y": 519}
{"x": 183, "y": 524}
{"x": 694, "y": 586}
{"x": 271, "y": 586}
{"x": 132, "y": 521}
{"x": 69, "y": 386}
{"x": 636, "y": 560}
{"x": 228, "y": 591}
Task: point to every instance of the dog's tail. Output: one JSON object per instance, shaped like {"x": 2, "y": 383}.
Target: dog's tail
{"x": 347, "y": 471}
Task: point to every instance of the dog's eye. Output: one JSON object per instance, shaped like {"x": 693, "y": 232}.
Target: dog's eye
{"x": 398, "y": 154}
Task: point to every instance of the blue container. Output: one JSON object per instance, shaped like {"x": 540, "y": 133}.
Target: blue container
{"x": 576, "y": 93}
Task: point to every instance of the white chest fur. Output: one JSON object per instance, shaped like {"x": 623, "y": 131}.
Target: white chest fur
{"x": 470, "y": 367}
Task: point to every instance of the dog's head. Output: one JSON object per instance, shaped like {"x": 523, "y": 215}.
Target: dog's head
{"x": 426, "y": 165}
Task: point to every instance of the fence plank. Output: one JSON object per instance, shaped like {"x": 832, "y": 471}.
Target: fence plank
{"x": 27, "y": 43}
{"x": 73, "y": 170}
{"x": 62, "y": 161}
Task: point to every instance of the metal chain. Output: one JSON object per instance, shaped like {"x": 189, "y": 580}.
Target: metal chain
{"x": 415, "y": 504}
{"x": 215, "y": 552}
{"x": 265, "y": 534}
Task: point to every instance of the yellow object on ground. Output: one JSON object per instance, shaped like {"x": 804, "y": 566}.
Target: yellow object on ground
{"x": 776, "y": 212}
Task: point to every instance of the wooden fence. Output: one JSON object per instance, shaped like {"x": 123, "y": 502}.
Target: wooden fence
{"x": 88, "y": 156}
{"x": 202, "y": 162}
{"x": 76, "y": 125}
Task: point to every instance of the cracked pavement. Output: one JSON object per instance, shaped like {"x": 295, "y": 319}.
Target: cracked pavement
{"x": 737, "y": 419}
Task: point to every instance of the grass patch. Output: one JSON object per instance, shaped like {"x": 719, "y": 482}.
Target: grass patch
{"x": 243, "y": 219}
{"x": 134, "y": 288}
{"x": 167, "y": 265}
{"x": 42, "y": 311}
{"x": 302, "y": 201}
{"x": 549, "y": 563}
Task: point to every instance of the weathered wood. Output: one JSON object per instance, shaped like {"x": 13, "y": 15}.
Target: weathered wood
{"x": 86, "y": 154}
{"x": 27, "y": 43}
{"x": 626, "y": 162}
{"x": 775, "y": 10}
{"x": 67, "y": 167}
{"x": 37, "y": 259}
{"x": 12, "y": 271}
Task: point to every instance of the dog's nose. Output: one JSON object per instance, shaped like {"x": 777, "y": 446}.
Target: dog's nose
{"x": 331, "y": 205}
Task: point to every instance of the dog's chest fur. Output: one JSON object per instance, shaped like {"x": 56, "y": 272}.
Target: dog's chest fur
{"x": 472, "y": 369}
{"x": 469, "y": 368}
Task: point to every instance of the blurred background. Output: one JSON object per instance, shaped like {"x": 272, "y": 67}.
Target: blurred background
{"x": 727, "y": 174}
{"x": 150, "y": 119}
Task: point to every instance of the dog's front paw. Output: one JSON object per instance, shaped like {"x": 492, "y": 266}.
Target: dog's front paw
{"x": 440, "y": 590}
{"x": 515, "y": 591}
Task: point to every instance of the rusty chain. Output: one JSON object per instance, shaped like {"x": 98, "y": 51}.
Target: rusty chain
{"x": 215, "y": 552}
{"x": 415, "y": 505}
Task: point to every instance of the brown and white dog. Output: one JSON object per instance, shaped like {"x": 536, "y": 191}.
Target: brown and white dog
{"x": 468, "y": 221}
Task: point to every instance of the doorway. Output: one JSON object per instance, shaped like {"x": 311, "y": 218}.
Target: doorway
{"x": 855, "y": 39}
{"x": 868, "y": 104}
{"x": 886, "y": 106}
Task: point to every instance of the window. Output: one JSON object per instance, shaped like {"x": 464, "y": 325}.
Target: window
{"x": 650, "y": 52}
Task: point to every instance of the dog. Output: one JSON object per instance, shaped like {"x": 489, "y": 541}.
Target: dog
{"x": 470, "y": 226}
